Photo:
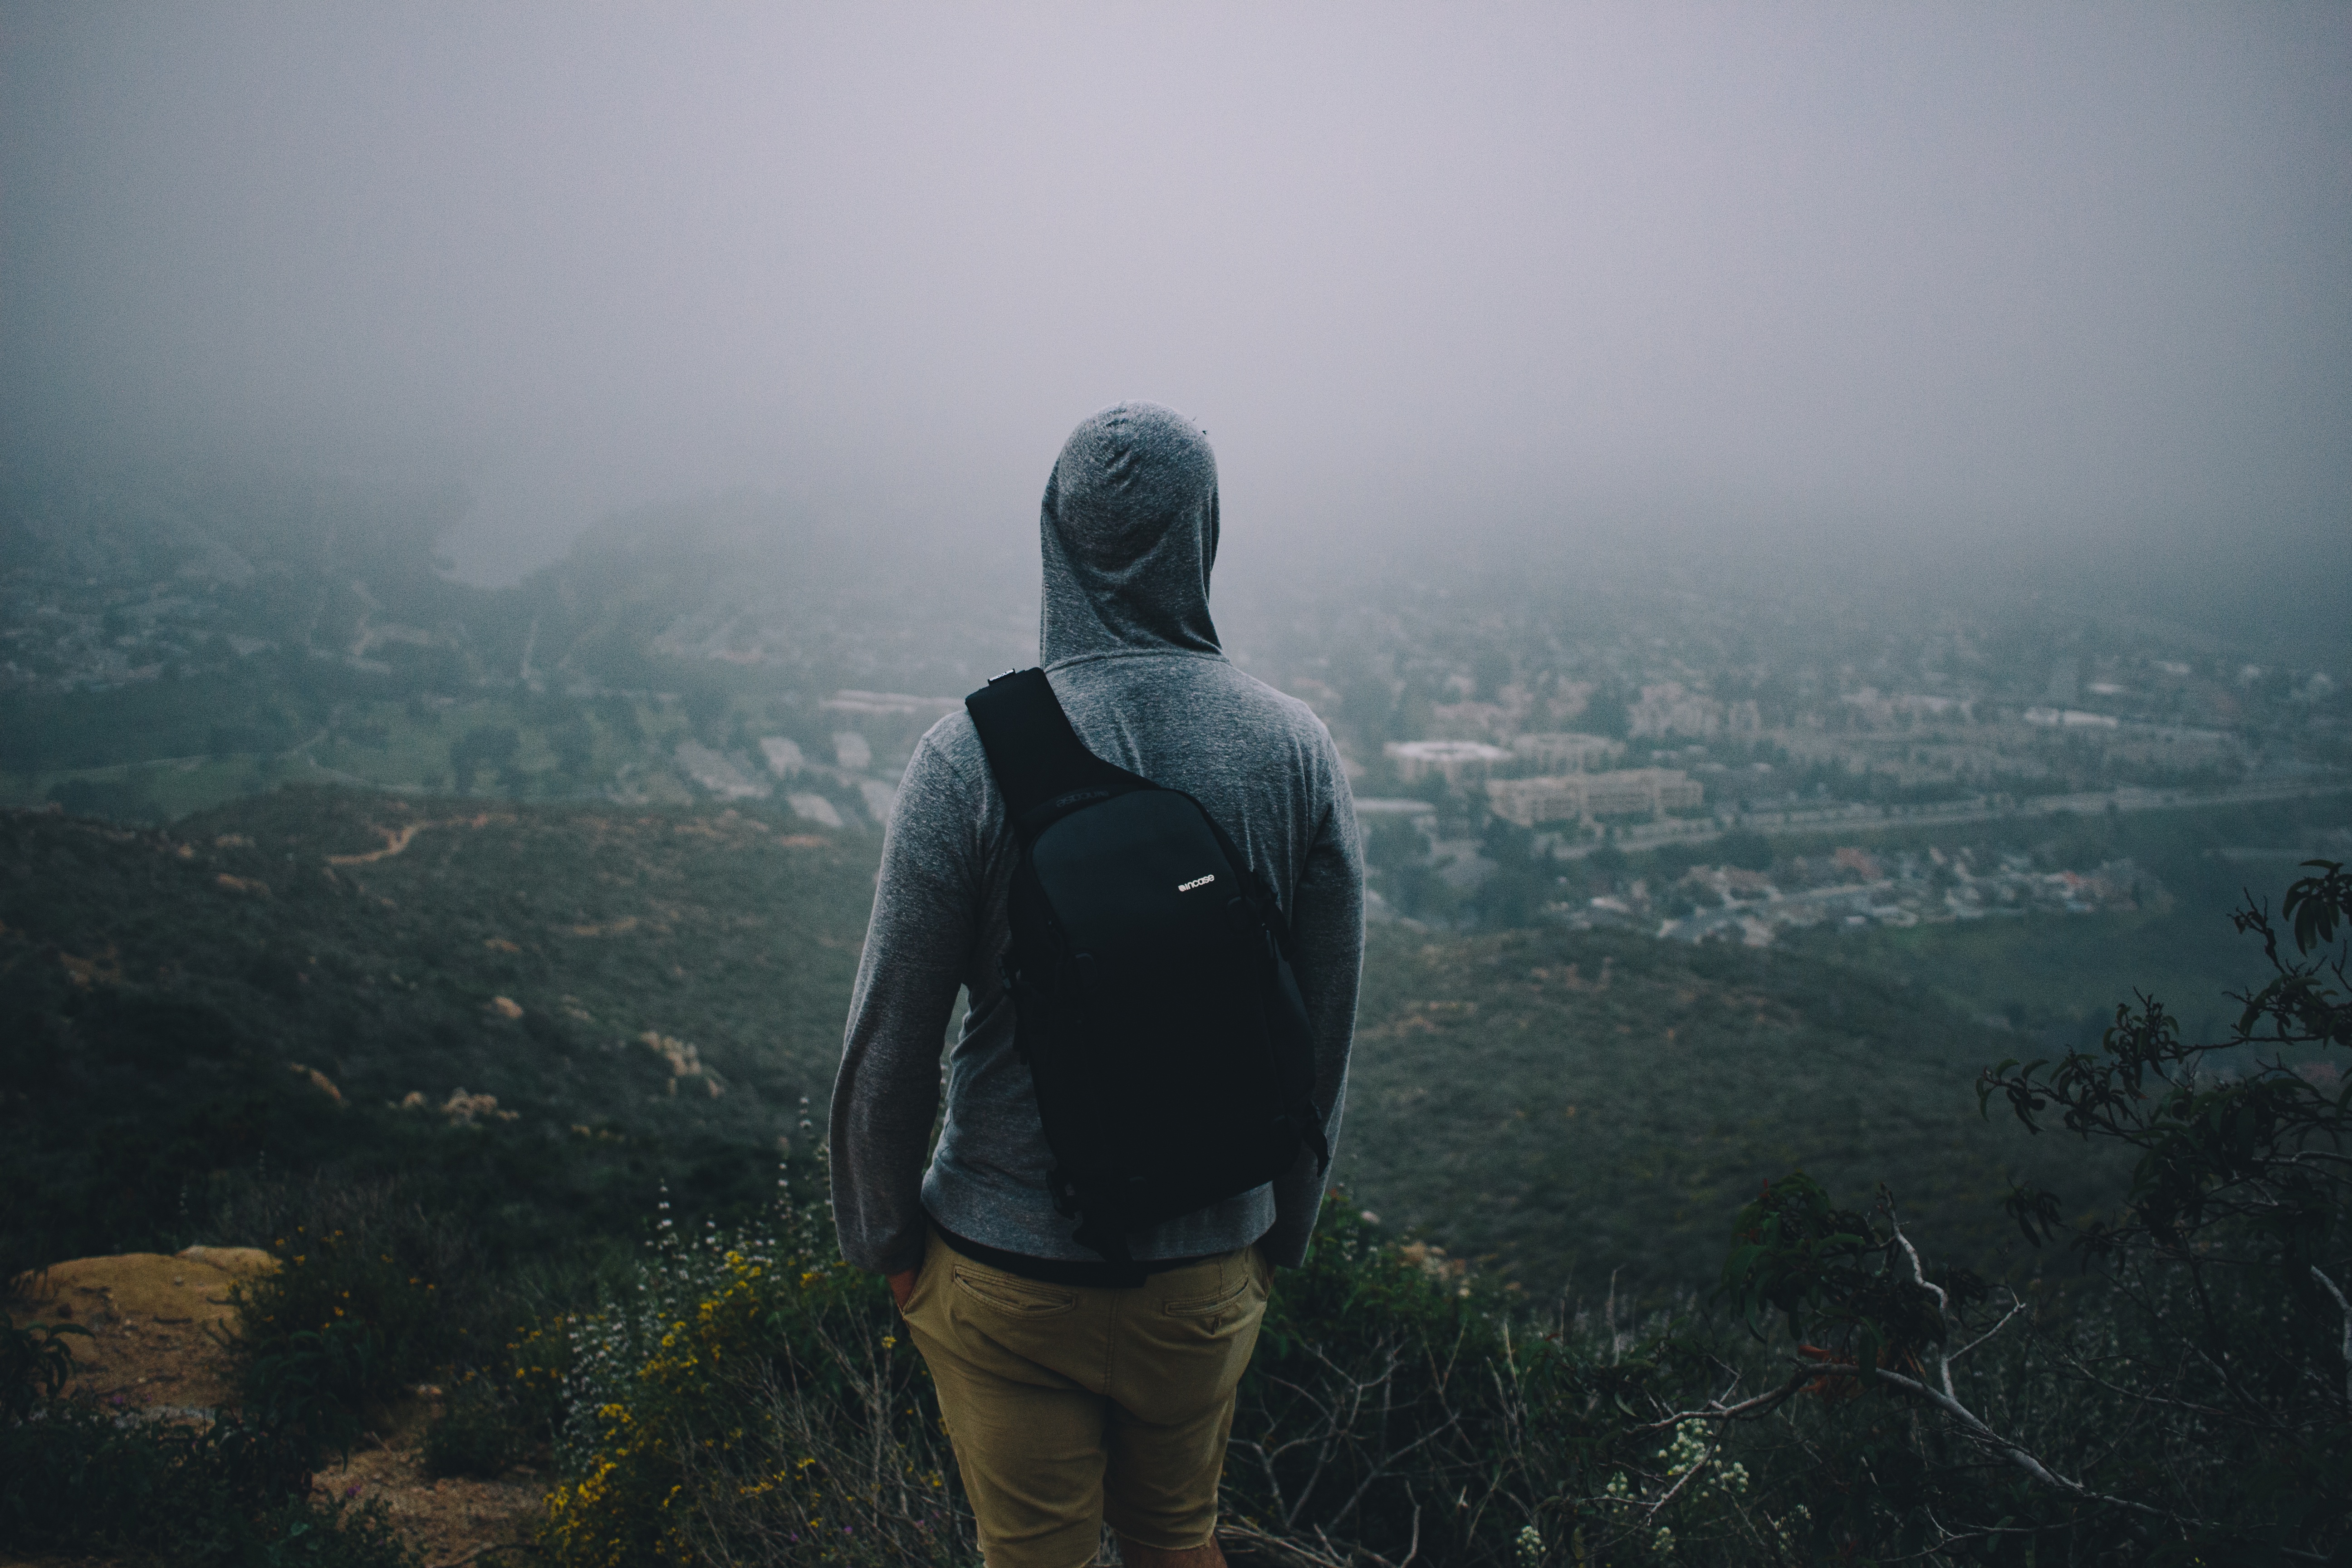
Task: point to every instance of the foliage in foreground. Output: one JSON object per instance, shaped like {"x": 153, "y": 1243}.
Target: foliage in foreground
{"x": 2193, "y": 1402}
{"x": 234, "y": 1493}
{"x": 750, "y": 1401}
{"x": 2184, "y": 1397}
{"x": 374, "y": 1293}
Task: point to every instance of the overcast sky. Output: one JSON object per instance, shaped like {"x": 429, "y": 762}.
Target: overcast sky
{"x": 1961, "y": 271}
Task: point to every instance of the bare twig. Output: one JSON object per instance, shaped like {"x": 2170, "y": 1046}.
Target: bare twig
{"x": 1763, "y": 1404}
{"x": 2345, "y": 1308}
{"x": 2016, "y": 1453}
{"x": 1688, "y": 1477}
{"x": 2016, "y": 1306}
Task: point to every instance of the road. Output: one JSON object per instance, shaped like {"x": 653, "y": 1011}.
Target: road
{"x": 1850, "y": 818}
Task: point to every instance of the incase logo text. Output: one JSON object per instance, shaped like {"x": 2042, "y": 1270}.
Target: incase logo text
{"x": 1196, "y": 882}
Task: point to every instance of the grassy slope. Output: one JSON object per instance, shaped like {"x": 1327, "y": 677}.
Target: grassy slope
{"x": 150, "y": 1006}
{"x": 2065, "y": 974}
{"x": 1590, "y": 1103}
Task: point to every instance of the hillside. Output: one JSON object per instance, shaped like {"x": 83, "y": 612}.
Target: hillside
{"x": 558, "y": 1005}
{"x": 1583, "y": 1103}
{"x": 173, "y": 638}
{"x": 549, "y": 1009}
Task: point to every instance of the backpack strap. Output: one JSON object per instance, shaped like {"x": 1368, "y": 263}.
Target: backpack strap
{"x": 1043, "y": 768}
{"x": 1269, "y": 907}
{"x": 1305, "y": 1117}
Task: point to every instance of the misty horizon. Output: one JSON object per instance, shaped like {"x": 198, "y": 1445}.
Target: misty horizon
{"x": 1832, "y": 286}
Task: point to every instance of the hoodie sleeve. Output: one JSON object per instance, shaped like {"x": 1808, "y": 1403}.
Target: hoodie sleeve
{"x": 1328, "y": 926}
{"x": 917, "y": 950}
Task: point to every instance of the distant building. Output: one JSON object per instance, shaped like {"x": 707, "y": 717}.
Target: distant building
{"x": 1874, "y": 711}
{"x": 1665, "y": 708}
{"x": 1581, "y": 797}
{"x": 880, "y": 798}
{"x": 784, "y": 758}
{"x": 1456, "y": 760}
{"x": 1530, "y": 801}
{"x": 891, "y": 702}
{"x": 718, "y": 774}
{"x": 1370, "y": 809}
{"x": 817, "y": 809}
{"x": 1860, "y": 862}
{"x": 1562, "y": 752}
{"x": 1472, "y": 721}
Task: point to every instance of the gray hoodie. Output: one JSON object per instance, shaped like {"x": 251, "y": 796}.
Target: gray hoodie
{"x": 1128, "y": 534}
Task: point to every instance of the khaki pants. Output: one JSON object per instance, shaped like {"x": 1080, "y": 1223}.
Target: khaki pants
{"x": 1071, "y": 1405}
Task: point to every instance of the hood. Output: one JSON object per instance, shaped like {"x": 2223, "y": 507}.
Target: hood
{"x": 1128, "y": 532}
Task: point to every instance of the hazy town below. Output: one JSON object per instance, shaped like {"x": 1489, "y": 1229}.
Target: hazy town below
{"x": 1536, "y": 746}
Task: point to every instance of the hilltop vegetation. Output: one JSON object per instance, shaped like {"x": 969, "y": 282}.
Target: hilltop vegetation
{"x": 547, "y": 1010}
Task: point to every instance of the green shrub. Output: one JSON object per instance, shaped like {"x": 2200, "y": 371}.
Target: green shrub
{"x": 750, "y": 1399}
{"x": 1401, "y": 1405}
{"x": 329, "y": 1535}
{"x": 229, "y": 1495}
{"x": 34, "y": 1365}
{"x": 341, "y": 1319}
{"x": 484, "y": 1432}
{"x": 2189, "y": 1397}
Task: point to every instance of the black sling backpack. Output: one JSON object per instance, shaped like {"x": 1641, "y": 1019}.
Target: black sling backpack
{"x": 1151, "y": 982}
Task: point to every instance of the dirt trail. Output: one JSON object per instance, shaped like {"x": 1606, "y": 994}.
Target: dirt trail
{"x": 396, "y": 839}
{"x": 159, "y": 1326}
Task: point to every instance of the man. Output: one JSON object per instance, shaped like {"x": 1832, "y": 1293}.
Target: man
{"x": 1073, "y": 1401}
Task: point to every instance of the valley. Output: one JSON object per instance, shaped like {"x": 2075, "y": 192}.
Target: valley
{"x": 549, "y": 1013}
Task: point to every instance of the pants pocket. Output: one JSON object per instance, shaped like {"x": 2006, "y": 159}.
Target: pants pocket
{"x": 1211, "y": 1309}
{"x": 1219, "y": 1307}
{"x": 1011, "y": 1296}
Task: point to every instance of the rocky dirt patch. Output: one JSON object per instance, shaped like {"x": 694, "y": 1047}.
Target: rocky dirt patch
{"x": 159, "y": 1326}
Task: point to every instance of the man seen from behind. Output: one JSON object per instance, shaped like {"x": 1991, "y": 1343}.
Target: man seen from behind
{"x": 1080, "y": 1389}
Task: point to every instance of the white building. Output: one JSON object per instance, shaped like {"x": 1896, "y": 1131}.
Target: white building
{"x": 1455, "y": 759}
{"x": 1665, "y": 708}
{"x": 880, "y": 798}
{"x": 717, "y": 774}
{"x": 1581, "y": 797}
{"x": 817, "y": 809}
{"x": 2070, "y": 718}
{"x": 1372, "y": 808}
{"x": 1563, "y": 752}
{"x": 895, "y": 703}
{"x": 784, "y": 758}
{"x": 852, "y": 751}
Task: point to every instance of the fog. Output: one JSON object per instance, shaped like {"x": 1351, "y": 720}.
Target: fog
{"x": 1965, "y": 279}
